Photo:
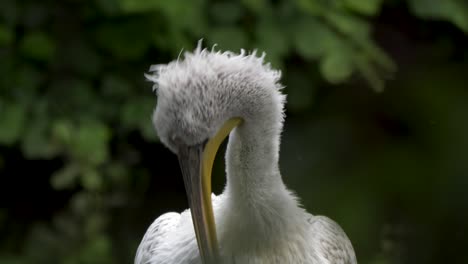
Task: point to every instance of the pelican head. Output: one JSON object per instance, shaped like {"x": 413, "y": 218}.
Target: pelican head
{"x": 201, "y": 99}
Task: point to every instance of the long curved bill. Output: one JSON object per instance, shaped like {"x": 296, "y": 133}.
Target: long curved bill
{"x": 196, "y": 163}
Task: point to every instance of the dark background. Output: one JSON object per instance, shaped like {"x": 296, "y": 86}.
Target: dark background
{"x": 376, "y": 135}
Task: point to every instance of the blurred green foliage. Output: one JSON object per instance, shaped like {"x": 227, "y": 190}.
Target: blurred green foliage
{"x": 72, "y": 93}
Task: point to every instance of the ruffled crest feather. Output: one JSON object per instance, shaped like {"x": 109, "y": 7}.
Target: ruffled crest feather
{"x": 203, "y": 62}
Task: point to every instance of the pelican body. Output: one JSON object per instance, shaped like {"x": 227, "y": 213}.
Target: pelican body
{"x": 203, "y": 98}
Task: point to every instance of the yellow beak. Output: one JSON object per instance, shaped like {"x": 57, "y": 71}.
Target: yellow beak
{"x": 196, "y": 163}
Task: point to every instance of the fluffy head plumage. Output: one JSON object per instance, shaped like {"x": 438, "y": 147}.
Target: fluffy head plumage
{"x": 198, "y": 93}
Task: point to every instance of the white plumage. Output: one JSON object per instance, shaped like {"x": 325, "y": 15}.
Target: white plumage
{"x": 258, "y": 220}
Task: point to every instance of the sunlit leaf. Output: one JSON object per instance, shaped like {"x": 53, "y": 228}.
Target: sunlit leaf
{"x": 63, "y": 131}
{"x": 255, "y": 5}
{"x": 366, "y": 7}
{"x": 455, "y": 11}
{"x": 312, "y": 38}
{"x": 311, "y": 7}
{"x": 336, "y": 67}
{"x": 91, "y": 142}
{"x": 349, "y": 24}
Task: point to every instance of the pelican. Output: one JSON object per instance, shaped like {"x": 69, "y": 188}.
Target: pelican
{"x": 202, "y": 98}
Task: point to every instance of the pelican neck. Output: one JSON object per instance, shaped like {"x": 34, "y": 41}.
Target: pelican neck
{"x": 252, "y": 161}
{"x": 256, "y": 201}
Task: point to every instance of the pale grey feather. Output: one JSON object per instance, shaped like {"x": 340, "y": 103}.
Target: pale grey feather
{"x": 332, "y": 245}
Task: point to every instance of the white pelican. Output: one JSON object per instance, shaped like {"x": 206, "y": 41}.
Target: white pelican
{"x": 202, "y": 99}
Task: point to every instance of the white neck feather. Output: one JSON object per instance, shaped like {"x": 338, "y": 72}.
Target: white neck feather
{"x": 256, "y": 201}
{"x": 252, "y": 163}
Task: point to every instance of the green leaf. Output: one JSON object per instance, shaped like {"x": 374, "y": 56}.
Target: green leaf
{"x": 147, "y": 130}
{"x": 109, "y": 7}
{"x": 455, "y": 11}
{"x": 74, "y": 98}
{"x": 95, "y": 221}
{"x": 336, "y": 67}
{"x": 312, "y": 7}
{"x": 13, "y": 118}
{"x": 118, "y": 172}
{"x": 66, "y": 177}
{"x": 6, "y": 35}
{"x": 312, "y": 38}
{"x": 27, "y": 81}
{"x": 272, "y": 39}
{"x": 136, "y": 114}
{"x": 138, "y": 5}
{"x": 63, "y": 131}
{"x": 36, "y": 142}
{"x": 368, "y": 71}
{"x": 349, "y": 24}
{"x": 115, "y": 86}
{"x": 358, "y": 51}
{"x": 83, "y": 58}
{"x": 226, "y": 12}
{"x": 365, "y": 7}
{"x": 91, "y": 179}
{"x": 91, "y": 142}
{"x": 228, "y": 38}
{"x": 12, "y": 259}
{"x": 97, "y": 250}
{"x": 136, "y": 111}
{"x": 255, "y": 5}
{"x": 10, "y": 11}
{"x": 38, "y": 46}
{"x": 373, "y": 53}
{"x": 125, "y": 40}
{"x": 179, "y": 13}
{"x": 81, "y": 202}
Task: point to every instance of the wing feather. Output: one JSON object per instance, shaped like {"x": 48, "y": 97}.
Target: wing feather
{"x": 155, "y": 236}
{"x": 331, "y": 245}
